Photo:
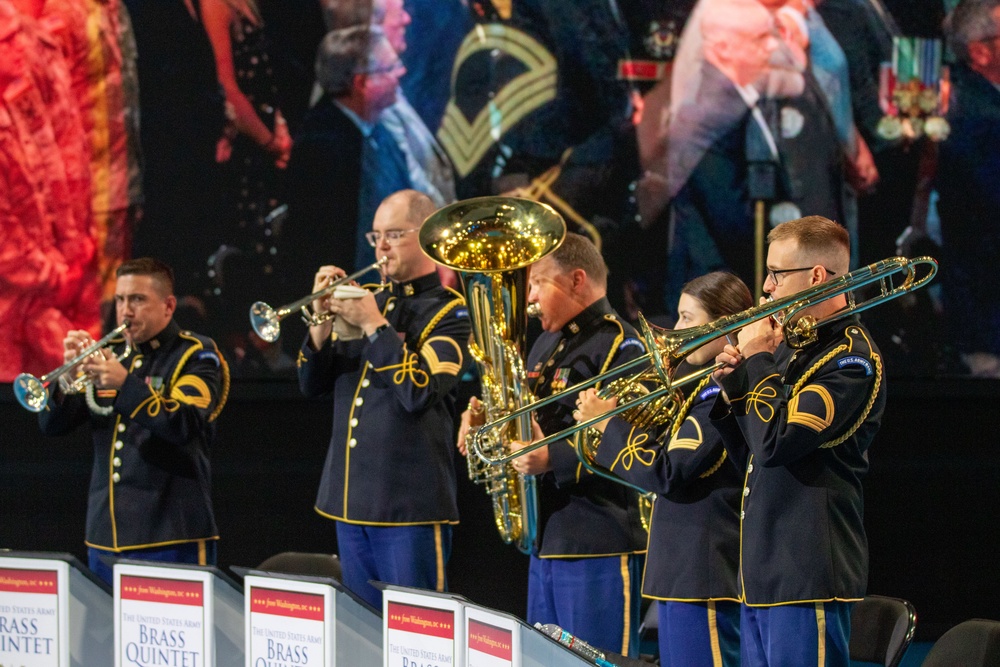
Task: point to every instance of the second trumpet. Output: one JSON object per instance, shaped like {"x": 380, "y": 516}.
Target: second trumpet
{"x": 266, "y": 321}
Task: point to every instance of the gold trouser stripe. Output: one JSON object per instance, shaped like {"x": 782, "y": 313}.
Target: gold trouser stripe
{"x": 202, "y": 556}
{"x": 439, "y": 551}
{"x": 713, "y": 635}
{"x": 820, "y": 635}
{"x": 627, "y": 591}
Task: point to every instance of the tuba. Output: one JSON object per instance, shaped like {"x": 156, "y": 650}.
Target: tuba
{"x": 492, "y": 242}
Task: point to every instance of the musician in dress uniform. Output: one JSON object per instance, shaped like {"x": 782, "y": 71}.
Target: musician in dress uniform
{"x": 153, "y": 417}
{"x": 803, "y": 421}
{"x": 691, "y": 562}
{"x": 389, "y": 479}
{"x": 590, "y": 537}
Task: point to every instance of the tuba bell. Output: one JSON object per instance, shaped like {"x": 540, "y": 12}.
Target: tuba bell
{"x": 492, "y": 242}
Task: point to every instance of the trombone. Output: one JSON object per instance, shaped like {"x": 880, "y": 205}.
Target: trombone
{"x": 266, "y": 321}
{"x": 33, "y": 393}
{"x": 667, "y": 348}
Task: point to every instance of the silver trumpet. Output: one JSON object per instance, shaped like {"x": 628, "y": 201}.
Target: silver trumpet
{"x": 33, "y": 393}
{"x": 266, "y": 321}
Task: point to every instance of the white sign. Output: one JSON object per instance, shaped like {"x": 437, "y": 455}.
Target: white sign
{"x": 161, "y": 621}
{"x": 30, "y": 614}
{"x": 288, "y": 623}
{"x": 421, "y": 631}
{"x": 493, "y": 639}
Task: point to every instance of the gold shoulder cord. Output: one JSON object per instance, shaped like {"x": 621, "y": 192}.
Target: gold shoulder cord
{"x": 871, "y": 399}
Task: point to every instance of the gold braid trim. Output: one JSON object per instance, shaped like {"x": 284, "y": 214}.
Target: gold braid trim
{"x": 871, "y": 399}
{"x": 224, "y": 395}
{"x": 718, "y": 464}
{"x": 437, "y": 318}
{"x": 682, "y": 413}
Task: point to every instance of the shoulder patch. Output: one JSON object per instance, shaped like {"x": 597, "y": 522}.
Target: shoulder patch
{"x": 709, "y": 392}
{"x": 855, "y": 360}
{"x": 631, "y": 342}
{"x": 210, "y": 355}
{"x": 461, "y": 312}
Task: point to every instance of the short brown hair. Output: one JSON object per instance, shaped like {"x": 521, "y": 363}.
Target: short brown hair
{"x": 720, "y": 293}
{"x": 579, "y": 252}
{"x": 149, "y": 266}
{"x": 817, "y": 237}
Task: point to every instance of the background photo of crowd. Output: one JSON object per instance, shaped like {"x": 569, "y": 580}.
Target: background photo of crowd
{"x": 247, "y": 142}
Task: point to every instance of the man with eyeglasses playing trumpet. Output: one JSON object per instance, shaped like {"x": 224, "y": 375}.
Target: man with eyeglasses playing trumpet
{"x": 392, "y": 363}
{"x": 153, "y": 417}
{"x": 802, "y": 422}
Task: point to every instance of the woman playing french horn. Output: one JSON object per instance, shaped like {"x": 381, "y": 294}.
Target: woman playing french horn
{"x": 694, "y": 532}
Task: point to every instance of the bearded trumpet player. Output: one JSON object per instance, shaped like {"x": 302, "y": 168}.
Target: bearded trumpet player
{"x": 389, "y": 480}
{"x": 153, "y": 414}
{"x": 584, "y": 574}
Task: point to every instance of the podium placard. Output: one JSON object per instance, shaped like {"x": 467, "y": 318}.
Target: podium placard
{"x": 289, "y": 622}
{"x": 168, "y": 614}
{"x": 494, "y": 640}
{"x": 422, "y": 628}
{"x": 53, "y": 612}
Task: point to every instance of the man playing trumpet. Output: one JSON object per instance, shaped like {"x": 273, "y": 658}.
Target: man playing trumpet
{"x": 153, "y": 417}
{"x": 391, "y": 363}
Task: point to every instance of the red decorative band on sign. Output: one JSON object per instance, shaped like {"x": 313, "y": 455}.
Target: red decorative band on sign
{"x": 29, "y": 581}
{"x": 287, "y": 603}
{"x": 491, "y": 640}
{"x": 171, "y": 591}
{"x": 422, "y": 620}
{"x": 641, "y": 70}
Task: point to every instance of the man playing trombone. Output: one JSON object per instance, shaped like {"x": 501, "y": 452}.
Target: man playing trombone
{"x": 585, "y": 572}
{"x": 391, "y": 363}
{"x": 153, "y": 416}
{"x": 801, "y": 421}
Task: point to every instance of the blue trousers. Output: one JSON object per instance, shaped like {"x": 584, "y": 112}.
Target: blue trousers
{"x": 202, "y": 552}
{"x": 595, "y": 599}
{"x": 699, "y": 634}
{"x": 814, "y": 633}
{"x": 404, "y": 555}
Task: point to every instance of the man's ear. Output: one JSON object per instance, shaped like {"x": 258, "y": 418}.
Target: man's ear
{"x": 579, "y": 277}
{"x": 979, "y": 55}
{"x": 171, "y": 303}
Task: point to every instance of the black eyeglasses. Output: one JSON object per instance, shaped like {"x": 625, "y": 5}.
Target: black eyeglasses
{"x": 774, "y": 274}
{"x": 392, "y": 236}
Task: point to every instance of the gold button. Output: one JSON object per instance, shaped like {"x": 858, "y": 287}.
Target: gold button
{"x": 354, "y": 421}
{"x": 365, "y": 382}
{"x": 116, "y": 477}
{"x": 742, "y": 515}
{"x": 138, "y": 363}
{"x": 117, "y": 462}
{"x": 353, "y": 442}
{"x": 749, "y": 468}
{"x": 121, "y": 428}
{"x": 359, "y": 401}
{"x": 119, "y": 444}
{"x": 746, "y": 491}
{"x": 391, "y": 306}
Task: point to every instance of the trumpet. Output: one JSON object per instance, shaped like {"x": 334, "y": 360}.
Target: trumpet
{"x": 266, "y": 321}
{"x": 667, "y": 348}
{"x": 33, "y": 393}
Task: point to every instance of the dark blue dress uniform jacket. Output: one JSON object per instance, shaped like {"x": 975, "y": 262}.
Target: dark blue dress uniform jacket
{"x": 151, "y": 481}
{"x": 390, "y": 461}
{"x": 582, "y": 514}
{"x": 695, "y": 530}
{"x": 804, "y": 421}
